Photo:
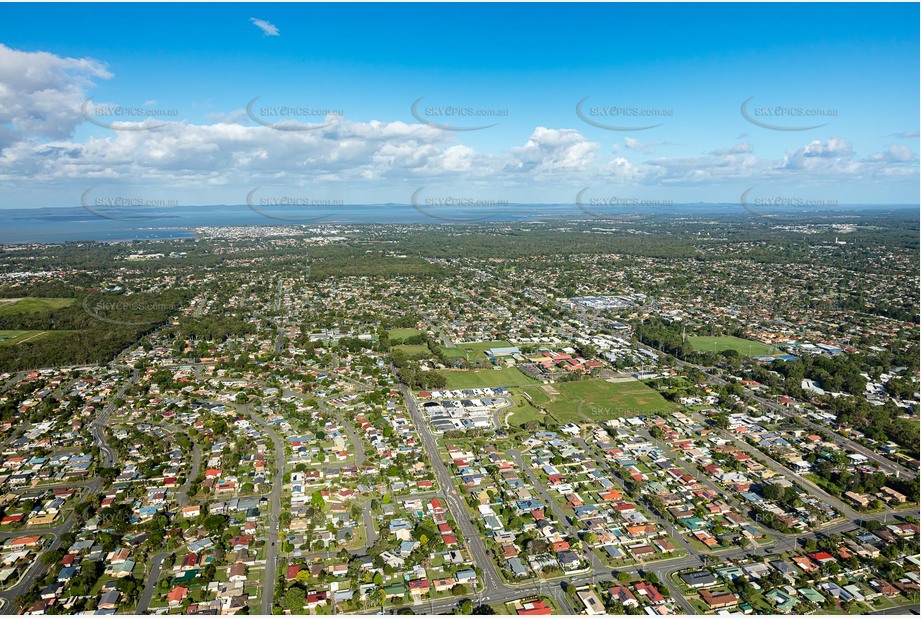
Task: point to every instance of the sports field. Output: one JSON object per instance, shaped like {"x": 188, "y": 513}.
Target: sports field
{"x": 598, "y": 400}
{"x": 474, "y": 350}
{"x": 482, "y": 378}
{"x": 18, "y": 306}
{"x": 742, "y": 346}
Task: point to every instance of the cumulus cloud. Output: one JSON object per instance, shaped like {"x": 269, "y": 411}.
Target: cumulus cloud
{"x": 268, "y": 29}
{"x": 553, "y": 150}
{"x": 895, "y": 153}
{"x": 41, "y": 96}
{"x": 836, "y": 154}
{"x": 41, "y": 93}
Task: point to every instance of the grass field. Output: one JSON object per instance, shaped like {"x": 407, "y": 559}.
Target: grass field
{"x": 481, "y": 378}
{"x": 475, "y": 349}
{"x": 12, "y": 337}
{"x": 599, "y": 400}
{"x": 401, "y": 334}
{"x": 742, "y": 346}
{"x": 32, "y": 305}
{"x": 413, "y": 351}
{"x": 522, "y": 411}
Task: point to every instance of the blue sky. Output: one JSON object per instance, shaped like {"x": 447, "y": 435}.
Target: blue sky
{"x": 690, "y": 66}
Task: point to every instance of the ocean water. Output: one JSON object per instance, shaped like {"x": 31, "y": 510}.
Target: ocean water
{"x": 55, "y": 225}
{"x": 52, "y": 225}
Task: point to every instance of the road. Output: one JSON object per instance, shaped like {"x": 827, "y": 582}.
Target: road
{"x": 667, "y": 525}
{"x": 904, "y": 610}
{"x": 497, "y": 413}
{"x": 493, "y": 586}
{"x": 38, "y": 568}
{"x": 96, "y": 428}
{"x": 883, "y": 462}
{"x": 183, "y": 499}
{"x": 680, "y": 462}
{"x": 156, "y": 564}
{"x": 280, "y": 337}
{"x": 271, "y": 553}
{"x": 557, "y": 510}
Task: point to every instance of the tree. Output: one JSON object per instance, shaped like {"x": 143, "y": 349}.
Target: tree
{"x": 466, "y": 607}
{"x": 214, "y": 523}
{"x": 295, "y": 597}
{"x": 303, "y": 576}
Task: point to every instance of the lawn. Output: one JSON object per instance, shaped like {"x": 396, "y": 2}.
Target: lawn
{"x": 598, "y": 400}
{"x": 483, "y": 378}
{"x": 474, "y": 350}
{"x": 414, "y": 351}
{"x": 32, "y": 305}
{"x": 523, "y": 411}
{"x": 742, "y": 346}
{"x": 401, "y": 334}
{"x": 12, "y": 337}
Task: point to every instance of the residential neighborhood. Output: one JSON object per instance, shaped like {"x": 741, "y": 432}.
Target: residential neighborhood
{"x": 479, "y": 435}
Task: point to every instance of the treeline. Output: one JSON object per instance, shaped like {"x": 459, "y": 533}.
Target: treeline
{"x": 863, "y": 482}
{"x": 366, "y": 260}
{"x": 411, "y": 375}
{"x": 838, "y": 374}
{"x": 216, "y": 328}
{"x": 94, "y": 329}
{"x": 878, "y": 423}
{"x": 663, "y": 336}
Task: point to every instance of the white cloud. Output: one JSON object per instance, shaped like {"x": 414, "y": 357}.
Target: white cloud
{"x": 895, "y": 153}
{"x": 41, "y": 93}
{"x": 553, "y": 150}
{"x": 835, "y": 155}
{"x": 741, "y": 148}
{"x": 268, "y": 29}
